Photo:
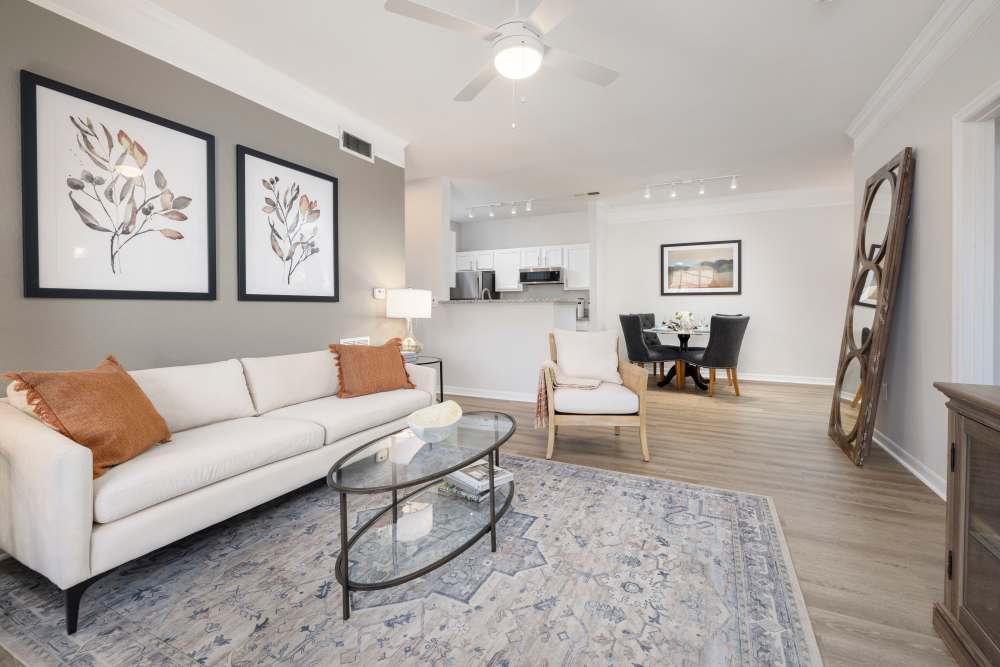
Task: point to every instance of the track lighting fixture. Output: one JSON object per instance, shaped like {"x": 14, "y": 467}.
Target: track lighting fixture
{"x": 513, "y": 210}
{"x": 673, "y": 193}
{"x": 648, "y": 193}
{"x": 527, "y": 206}
{"x": 492, "y": 215}
{"x": 701, "y": 188}
{"x": 733, "y": 184}
{"x": 471, "y": 215}
{"x": 676, "y": 186}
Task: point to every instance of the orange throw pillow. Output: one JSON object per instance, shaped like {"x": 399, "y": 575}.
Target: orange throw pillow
{"x": 103, "y": 410}
{"x": 368, "y": 369}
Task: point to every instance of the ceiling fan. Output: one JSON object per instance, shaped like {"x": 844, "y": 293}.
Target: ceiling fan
{"x": 518, "y": 50}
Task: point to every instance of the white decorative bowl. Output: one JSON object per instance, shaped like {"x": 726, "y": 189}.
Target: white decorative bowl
{"x": 436, "y": 423}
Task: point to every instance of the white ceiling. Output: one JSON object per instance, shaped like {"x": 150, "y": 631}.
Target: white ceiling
{"x": 763, "y": 88}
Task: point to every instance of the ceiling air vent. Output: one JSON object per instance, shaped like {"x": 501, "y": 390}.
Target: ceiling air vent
{"x": 356, "y": 146}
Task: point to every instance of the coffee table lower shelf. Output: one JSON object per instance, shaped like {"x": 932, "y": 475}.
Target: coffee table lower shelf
{"x": 415, "y": 534}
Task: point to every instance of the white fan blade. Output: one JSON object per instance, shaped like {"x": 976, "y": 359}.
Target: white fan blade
{"x": 474, "y": 87}
{"x": 434, "y": 17}
{"x": 550, "y": 13}
{"x": 579, "y": 67}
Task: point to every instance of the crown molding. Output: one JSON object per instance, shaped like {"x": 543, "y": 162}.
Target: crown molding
{"x": 149, "y": 28}
{"x": 943, "y": 35}
{"x": 778, "y": 200}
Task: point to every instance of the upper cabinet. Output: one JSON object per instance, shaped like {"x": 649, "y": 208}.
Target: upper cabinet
{"x": 531, "y": 258}
{"x": 484, "y": 260}
{"x": 576, "y": 267}
{"x": 552, "y": 256}
{"x": 507, "y": 265}
{"x": 465, "y": 261}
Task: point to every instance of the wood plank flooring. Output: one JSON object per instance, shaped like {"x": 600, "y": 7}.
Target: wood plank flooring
{"x": 867, "y": 543}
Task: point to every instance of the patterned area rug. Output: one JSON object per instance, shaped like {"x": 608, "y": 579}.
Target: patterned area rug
{"x": 593, "y": 568}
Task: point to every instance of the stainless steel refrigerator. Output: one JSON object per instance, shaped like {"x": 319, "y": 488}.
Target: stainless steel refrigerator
{"x": 474, "y": 285}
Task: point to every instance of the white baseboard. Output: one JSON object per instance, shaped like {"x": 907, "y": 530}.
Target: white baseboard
{"x": 478, "y": 392}
{"x": 919, "y": 469}
{"x": 786, "y": 379}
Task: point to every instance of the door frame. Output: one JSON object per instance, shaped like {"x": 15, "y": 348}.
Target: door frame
{"x": 974, "y": 223}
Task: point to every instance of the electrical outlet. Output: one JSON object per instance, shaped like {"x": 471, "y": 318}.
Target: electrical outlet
{"x": 358, "y": 340}
{"x": 378, "y": 293}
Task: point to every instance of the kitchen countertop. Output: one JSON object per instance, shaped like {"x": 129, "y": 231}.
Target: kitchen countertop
{"x": 524, "y": 300}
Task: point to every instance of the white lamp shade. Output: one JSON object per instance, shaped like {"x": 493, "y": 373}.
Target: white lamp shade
{"x": 412, "y": 303}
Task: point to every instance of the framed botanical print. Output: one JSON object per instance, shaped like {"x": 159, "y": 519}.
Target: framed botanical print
{"x": 869, "y": 293}
{"x": 701, "y": 268}
{"x": 286, "y": 229}
{"x": 117, "y": 203}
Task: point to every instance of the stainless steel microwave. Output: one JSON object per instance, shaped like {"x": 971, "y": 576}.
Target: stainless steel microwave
{"x": 541, "y": 276}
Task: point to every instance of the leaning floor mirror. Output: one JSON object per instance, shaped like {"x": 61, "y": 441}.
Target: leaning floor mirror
{"x": 878, "y": 257}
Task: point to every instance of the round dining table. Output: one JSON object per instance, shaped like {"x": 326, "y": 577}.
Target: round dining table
{"x": 689, "y": 370}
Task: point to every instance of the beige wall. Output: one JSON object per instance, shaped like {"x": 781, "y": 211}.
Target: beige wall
{"x": 428, "y": 236}
{"x": 913, "y": 414}
{"x": 796, "y": 275}
{"x": 68, "y": 333}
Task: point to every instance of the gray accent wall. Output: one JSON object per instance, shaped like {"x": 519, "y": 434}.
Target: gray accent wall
{"x": 78, "y": 333}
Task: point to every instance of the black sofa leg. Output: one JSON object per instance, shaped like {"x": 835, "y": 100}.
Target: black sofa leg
{"x": 73, "y": 596}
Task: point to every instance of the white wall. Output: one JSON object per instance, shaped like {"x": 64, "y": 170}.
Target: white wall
{"x": 912, "y": 420}
{"x": 555, "y": 229}
{"x": 795, "y": 282}
{"x": 996, "y": 256}
{"x": 427, "y": 214}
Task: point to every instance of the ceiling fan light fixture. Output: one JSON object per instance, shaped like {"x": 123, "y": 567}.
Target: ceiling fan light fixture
{"x": 517, "y": 56}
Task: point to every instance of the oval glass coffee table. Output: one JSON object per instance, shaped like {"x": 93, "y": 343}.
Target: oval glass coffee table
{"x": 421, "y": 529}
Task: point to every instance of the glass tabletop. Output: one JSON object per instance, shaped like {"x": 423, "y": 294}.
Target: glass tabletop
{"x": 402, "y": 459}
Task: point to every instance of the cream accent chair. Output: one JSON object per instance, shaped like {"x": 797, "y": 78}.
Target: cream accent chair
{"x": 610, "y": 404}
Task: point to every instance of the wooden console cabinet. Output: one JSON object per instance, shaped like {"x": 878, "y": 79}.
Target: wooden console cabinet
{"x": 968, "y": 619}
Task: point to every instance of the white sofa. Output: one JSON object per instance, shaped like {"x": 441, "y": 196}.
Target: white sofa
{"x": 244, "y": 431}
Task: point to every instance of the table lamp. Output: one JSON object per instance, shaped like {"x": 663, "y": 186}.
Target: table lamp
{"x": 409, "y": 304}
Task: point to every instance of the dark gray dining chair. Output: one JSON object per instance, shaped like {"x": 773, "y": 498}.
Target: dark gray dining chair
{"x": 723, "y": 349}
{"x": 639, "y": 351}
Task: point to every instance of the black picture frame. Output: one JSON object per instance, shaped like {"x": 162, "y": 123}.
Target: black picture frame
{"x": 697, "y": 292}
{"x": 241, "y": 260}
{"x": 30, "y": 82}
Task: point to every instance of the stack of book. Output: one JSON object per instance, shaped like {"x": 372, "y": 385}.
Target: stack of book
{"x": 473, "y": 482}
{"x": 409, "y": 357}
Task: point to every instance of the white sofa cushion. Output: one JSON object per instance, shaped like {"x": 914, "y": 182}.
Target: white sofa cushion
{"x": 290, "y": 378}
{"x": 341, "y": 417}
{"x": 197, "y": 458}
{"x": 588, "y": 354}
{"x": 192, "y": 396}
{"x": 607, "y": 399}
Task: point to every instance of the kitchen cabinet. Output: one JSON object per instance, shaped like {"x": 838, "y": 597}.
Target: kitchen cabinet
{"x": 465, "y": 261}
{"x": 531, "y": 258}
{"x": 576, "y": 267}
{"x": 507, "y": 265}
{"x": 552, "y": 256}
{"x": 484, "y": 260}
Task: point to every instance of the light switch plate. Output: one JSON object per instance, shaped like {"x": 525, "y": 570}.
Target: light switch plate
{"x": 357, "y": 340}
{"x": 378, "y": 293}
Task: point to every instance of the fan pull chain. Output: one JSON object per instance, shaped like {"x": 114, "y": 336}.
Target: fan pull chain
{"x": 513, "y": 106}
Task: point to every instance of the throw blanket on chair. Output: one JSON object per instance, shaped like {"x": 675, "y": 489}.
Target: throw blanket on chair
{"x": 558, "y": 380}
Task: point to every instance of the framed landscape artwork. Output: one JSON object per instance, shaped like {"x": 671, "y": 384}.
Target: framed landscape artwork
{"x": 117, "y": 203}
{"x": 700, "y": 268}
{"x": 286, "y": 228}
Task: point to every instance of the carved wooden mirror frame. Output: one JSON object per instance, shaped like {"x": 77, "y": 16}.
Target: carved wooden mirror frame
{"x": 884, "y": 263}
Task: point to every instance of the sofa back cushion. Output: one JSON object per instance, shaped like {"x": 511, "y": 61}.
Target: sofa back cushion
{"x": 191, "y": 396}
{"x": 290, "y": 378}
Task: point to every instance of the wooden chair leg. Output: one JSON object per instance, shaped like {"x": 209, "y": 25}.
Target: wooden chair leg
{"x": 552, "y": 440}
{"x": 642, "y": 439}
{"x": 618, "y": 430}
{"x": 736, "y": 381}
{"x": 711, "y": 382}
{"x": 679, "y": 366}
